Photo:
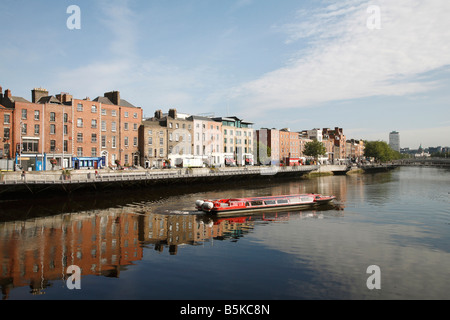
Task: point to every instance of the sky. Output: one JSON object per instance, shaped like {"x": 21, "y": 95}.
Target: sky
{"x": 369, "y": 67}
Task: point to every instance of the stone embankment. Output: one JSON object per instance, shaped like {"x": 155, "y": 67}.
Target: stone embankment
{"x": 38, "y": 183}
{"x": 18, "y": 184}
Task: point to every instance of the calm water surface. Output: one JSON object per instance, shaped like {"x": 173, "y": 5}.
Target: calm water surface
{"x": 150, "y": 244}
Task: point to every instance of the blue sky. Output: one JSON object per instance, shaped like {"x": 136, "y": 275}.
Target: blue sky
{"x": 289, "y": 63}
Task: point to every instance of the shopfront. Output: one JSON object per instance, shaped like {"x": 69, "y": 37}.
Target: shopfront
{"x": 88, "y": 162}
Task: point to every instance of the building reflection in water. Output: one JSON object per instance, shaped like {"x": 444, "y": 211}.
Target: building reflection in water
{"x": 37, "y": 252}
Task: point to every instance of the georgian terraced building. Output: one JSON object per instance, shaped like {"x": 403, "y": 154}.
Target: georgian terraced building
{"x": 54, "y": 132}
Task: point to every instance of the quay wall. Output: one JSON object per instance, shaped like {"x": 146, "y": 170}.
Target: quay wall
{"x": 16, "y": 185}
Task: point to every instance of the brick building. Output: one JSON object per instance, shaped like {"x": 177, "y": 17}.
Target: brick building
{"x": 290, "y": 147}
{"x": 153, "y": 142}
{"x": 335, "y": 143}
{"x": 54, "y": 132}
{"x": 355, "y": 150}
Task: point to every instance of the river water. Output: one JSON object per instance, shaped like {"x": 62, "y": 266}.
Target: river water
{"x": 151, "y": 244}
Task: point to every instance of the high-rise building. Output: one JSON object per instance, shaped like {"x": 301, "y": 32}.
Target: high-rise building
{"x": 394, "y": 141}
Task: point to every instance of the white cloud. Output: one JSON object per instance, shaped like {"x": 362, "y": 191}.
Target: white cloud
{"x": 346, "y": 60}
{"x": 148, "y": 82}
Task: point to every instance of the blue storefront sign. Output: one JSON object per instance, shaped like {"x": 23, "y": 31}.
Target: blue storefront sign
{"x": 87, "y": 162}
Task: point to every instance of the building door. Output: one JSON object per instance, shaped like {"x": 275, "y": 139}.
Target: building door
{"x": 104, "y": 159}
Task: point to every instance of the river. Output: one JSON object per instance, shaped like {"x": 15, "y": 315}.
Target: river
{"x": 151, "y": 244}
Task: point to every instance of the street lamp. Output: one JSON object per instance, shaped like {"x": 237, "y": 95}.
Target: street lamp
{"x": 20, "y": 144}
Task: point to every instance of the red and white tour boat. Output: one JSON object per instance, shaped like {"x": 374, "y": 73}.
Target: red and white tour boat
{"x": 225, "y": 206}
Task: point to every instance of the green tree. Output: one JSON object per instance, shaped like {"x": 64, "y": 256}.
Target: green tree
{"x": 314, "y": 149}
{"x": 381, "y": 151}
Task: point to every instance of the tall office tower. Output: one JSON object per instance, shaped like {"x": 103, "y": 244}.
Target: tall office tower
{"x": 394, "y": 141}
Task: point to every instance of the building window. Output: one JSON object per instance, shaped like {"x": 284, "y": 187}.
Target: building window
{"x": 94, "y": 138}
{"x": 113, "y": 142}
{"x": 52, "y": 129}
{"x": 79, "y": 152}
{"x": 52, "y": 116}
{"x": 126, "y": 114}
{"x": 65, "y": 129}
{"x": 7, "y": 118}
{"x": 94, "y": 124}
{"x": 65, "y": 146}
{"x": 24, "y": 128}
{"x": 36, "y": 129}
{"x": 93, "y": 152}
{"x": 103, "y": 141}
{"x": 65, "y": 117}
{"x": 135, "y": 115}
{"x": 79, "y": 137}
{"x": 126, "y": 159}
{"x": 161, "y": 141}
{"x": 135, "y": 126}
{"x": 6, "y": 133}
{"x": 24, "y": 114}
{"x": 79, "y": 107}
{"x": 113, "y": 113}
{"x": 36, "y": 114}
{"x": 80, "y": 123}
{"x": 125, "y": 142}
{"x": 135, "y": 141}
{"x": 103, "y": 112}
{"x": 150, "y": 141}
{"x": 52, "y": 145}
{"x": 94, "y": 109}
{"x": 30, "y": 146}
{"x": 113, "y": 126}
{"x": 125, "y": 126}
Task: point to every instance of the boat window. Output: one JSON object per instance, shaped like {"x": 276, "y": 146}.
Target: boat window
{"x": 247, "y": 204}
{"x": 282, "y": 201}
{"x": 295, "y": 200}
{"x": 270, "y": 202}
{"x": 257, "y": 203}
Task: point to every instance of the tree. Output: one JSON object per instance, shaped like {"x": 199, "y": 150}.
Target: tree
{"x": 381, "y": 151}
{"x": 314, "y": 149}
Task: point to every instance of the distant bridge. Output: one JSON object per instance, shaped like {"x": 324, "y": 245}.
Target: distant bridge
{"x": 427, "y": 162}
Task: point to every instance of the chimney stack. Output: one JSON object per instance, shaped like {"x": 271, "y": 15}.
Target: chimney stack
{"x": 1, "y": 94}
{"x": 37, "y": 94}
{"x": 64, "y": 97}
{"x": 114, "y": 97}
{"x": 173, "y": 113}
{"x": 7, "y": 93}
{"x": 158, "y": 114}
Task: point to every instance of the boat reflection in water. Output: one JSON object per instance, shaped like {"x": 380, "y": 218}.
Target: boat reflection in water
{"x": 36, "y": 252}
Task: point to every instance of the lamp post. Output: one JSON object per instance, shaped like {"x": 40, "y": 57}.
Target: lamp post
{"x": 20, "y": 144}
